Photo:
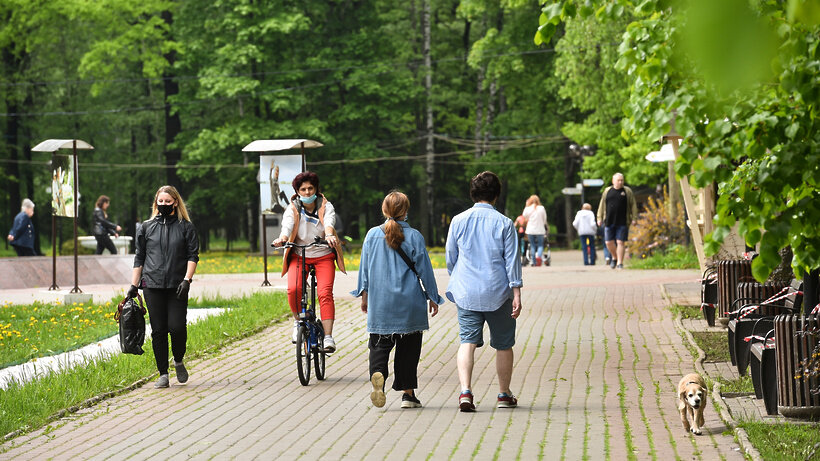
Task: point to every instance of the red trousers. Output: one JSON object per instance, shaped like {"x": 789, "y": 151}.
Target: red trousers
{"x": 325, "y": 276}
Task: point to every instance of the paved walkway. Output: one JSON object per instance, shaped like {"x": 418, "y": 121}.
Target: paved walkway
{"x": 598, "y": 360}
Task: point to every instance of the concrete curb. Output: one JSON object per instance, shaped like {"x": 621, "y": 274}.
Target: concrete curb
{"x": 740, "y": 434}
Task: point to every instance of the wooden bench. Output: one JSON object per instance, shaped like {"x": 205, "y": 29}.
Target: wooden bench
{"x": 795, "y": 398}
{"x": 709, "y": 295}
{"x": 764, "y": 301}
{"x": 763, "y": 369}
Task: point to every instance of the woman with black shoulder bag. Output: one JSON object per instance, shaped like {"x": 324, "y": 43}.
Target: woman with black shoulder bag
{"x": 398, "y": 288}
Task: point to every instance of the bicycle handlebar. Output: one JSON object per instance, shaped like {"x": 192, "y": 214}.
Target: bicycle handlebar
{"x": 318, "y": 241}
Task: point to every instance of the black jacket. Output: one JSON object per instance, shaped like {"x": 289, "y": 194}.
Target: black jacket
{"x": 164, "y": 247}
{"x": 103, "y": 226}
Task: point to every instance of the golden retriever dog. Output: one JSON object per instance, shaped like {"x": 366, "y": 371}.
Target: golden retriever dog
{"x": 692, "y": 402}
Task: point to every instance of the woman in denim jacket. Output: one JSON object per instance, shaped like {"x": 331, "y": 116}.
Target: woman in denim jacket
{"x": 395, "y": 303}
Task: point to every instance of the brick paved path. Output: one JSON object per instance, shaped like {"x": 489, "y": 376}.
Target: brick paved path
{"x": 597, "y": 364}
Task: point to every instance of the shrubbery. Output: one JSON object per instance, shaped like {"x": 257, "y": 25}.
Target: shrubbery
{"x": 655, "y": 230}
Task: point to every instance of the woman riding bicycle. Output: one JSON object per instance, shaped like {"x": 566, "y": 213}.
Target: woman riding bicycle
{"x": 308, "y": 216}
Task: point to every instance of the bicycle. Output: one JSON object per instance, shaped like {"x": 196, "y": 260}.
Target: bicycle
{"x": 310, "y": 338}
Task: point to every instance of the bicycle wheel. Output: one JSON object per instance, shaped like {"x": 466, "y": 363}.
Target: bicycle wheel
{"x": 303, "y": 355}
{"x": 319, "y": 352}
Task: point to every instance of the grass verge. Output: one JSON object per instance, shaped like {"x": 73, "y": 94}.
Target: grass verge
{"x": 686, "y": 312}
{"x": 240, "y": 262}
{"x": 741, "y": 385}
{"x": 714, "y": 344}
{"x": 30, "y": 405}
{"x": 674, "y": 257}
{"x": 785, "y": 441}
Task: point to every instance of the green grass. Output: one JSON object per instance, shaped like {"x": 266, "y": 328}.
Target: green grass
{"x": 240, "y": 262}
{"x": 714, "y": 344}
{"x": 686, "y": 312}
{"x": 674, "y": 257}
{"x": 30, "y": 405}
{"x": 785, "y": 441}
{"x": 741, "y": 385}
{"x": 40, "y": 329}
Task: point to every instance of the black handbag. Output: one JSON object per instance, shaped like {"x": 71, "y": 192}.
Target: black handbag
{"x": 131, "y": 317}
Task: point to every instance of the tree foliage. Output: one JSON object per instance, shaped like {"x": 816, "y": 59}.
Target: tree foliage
{"x": 743, "y": 78}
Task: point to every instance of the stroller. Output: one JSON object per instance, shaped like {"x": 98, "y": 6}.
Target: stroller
{"x": 546, "y": 260}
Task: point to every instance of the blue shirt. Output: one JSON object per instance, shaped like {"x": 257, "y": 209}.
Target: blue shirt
{"x": 395, "y": 302}
{"x": 482, "y": 259}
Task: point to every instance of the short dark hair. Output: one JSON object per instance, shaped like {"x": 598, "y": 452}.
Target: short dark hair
{"x": 485, "y": 187}
{"x": 305, "y": 176}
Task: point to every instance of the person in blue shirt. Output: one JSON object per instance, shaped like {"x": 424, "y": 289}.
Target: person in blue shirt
{"x": 21, "y": 235}
{"x": 395, "y": 302}
{"x": 485, "y": 284}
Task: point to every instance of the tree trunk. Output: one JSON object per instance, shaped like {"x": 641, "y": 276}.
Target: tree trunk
{"x": 428, "y": 86}
{"x": 479, "y": 112}
{"x": 173, "y": 125}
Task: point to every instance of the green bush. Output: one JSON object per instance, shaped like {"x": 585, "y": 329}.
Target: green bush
{"x": 655, "y": 230}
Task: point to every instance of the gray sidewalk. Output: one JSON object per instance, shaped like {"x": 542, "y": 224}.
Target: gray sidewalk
{"x": 598, "y": 360}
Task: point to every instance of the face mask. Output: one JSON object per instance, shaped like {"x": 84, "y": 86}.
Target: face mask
{"x": 165, "y": 210}
{"x": 310, "y": 199}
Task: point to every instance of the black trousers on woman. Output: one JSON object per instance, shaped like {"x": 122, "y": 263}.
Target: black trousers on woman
{"x": 167, "y": 314}
{"x": 104, "y": 243}
{"x": 406, "y": 361}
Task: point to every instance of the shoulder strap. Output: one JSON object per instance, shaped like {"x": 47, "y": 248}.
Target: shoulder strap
{"x": 411, "y": 265}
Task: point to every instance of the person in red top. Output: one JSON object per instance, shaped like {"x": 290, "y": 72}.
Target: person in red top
{"x": 521, "y": 228}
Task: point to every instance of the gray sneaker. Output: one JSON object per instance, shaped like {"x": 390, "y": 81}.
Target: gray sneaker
{"x": 162, "y": 382}
{"x": 613, "y": 263}
{"x": 182, "y": 373}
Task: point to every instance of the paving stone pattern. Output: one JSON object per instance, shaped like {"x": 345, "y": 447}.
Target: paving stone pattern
{"x": 598, "y": 360}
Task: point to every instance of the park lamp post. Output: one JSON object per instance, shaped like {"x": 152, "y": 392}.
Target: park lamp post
{"x": 576, "y": 154}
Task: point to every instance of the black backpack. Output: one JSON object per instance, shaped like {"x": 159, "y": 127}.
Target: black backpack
{"x": 131, "y": 317}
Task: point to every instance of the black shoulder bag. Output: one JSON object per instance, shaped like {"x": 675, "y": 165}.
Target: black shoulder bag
{"x": 412, "y": 267}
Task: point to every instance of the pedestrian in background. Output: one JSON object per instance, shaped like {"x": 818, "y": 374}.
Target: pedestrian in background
{"x": 167, "y": 252}
{"x": 521, "y": 230}
{"x": 395, "y": 303}
{"x": 103, "y": 228}
{"x": 584, "y": 223}
{"x": 616, "y": 211}
{"x": 536, "y": 217}
{"x": 21, "y": 235}
{"x": 485, "y": 284}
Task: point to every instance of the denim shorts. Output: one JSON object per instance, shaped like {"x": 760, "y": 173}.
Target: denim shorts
{"x": 500, "y": 321}
{"x": 616, "y": 233}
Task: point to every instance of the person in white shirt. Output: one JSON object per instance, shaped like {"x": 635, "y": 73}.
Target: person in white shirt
{"x": 585, "y": 224}
{"x": 536, "y": 230}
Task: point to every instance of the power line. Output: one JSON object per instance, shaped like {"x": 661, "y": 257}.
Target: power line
{"x": 290, "y": 71}
{"x": 253, "y": 165}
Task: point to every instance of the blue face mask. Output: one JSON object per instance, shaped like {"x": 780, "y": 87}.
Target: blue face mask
{"x": 310, "y": 199}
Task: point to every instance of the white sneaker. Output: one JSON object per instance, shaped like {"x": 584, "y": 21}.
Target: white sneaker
{"x": 295, "y": 332}
{"x": 330, "y": 344}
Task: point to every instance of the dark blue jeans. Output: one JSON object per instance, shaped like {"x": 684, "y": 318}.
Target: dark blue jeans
{"x": 588, "y": 249}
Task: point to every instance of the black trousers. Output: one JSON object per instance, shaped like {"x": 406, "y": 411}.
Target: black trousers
{"x": 104, "y": 243}
{"x": 167, "y": 314}
{"x": 24, "y": 251}
{"x": 406, "y": 361}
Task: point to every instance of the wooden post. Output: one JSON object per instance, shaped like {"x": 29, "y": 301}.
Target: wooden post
{"x": 697, "y": 238}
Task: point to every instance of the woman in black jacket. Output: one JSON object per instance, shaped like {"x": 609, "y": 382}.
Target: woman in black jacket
{"x": 167, "y": 251}
{"x": 103, "y": 228}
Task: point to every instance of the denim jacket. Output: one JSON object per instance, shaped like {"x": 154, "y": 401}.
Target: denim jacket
{"x": 395, "y": 302}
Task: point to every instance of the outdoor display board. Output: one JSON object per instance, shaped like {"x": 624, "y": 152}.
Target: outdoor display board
{"x": 276, "y": 173}
{"x": 62, "y": 186}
